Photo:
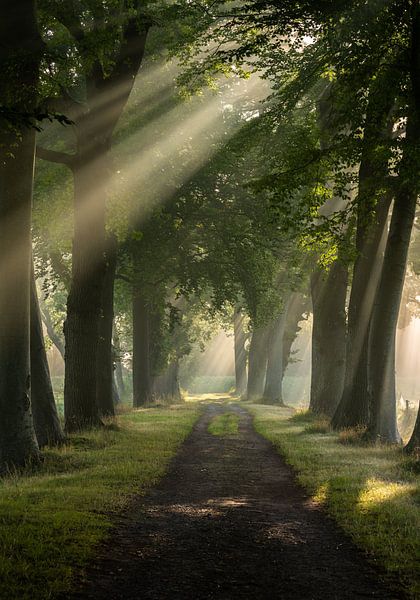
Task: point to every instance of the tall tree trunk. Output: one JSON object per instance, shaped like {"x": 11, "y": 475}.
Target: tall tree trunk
{"x": 166, "y": 384}
{"x": 84, "y": 303}
{"x": 19, "y": 62}
{"x": 383, "y": 418}
{"x": 383, "y": 422}
{"x": 240, "y": 337}
{"x": 118, "y": 365}
{"x": 46, "y": 421}
{"x": 142, "y": 380}
{"x": 413, "y": 445}
{"x": 17, "y": 438}
{"x": 298, "y": 306}
{"x": 115, "y": 395}
{"x": 52, "y": 333}
{"x": 328, "y": 337}
{"x": 353, "y": 409}
{"x": 372, "y": 215}
{"x": 257, "y": 363}
{"x": 106, "y": 96}
{"x": 274, "y": 377}
{"x": 105, "y": 359}
{"x": 174, "y": 380}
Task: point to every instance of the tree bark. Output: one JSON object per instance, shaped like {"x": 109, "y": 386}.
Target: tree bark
{"x": 166, "y": 384}
{"x": 19, "y": 61}
{"x": 257, "y": 364}
{"x": 142, "y": 380}
{"x": 105, "y": 359}
{"x": 240, "y": 337}
{"x": 328, "y": 337}
{"x": 372, "y": 215}
{"x": 52, "y": 333}
{"x": 115, "y": 394}
{"x": 383, "y": 421}
{"x": 298, "y": 306}
{"x": 84, "y": 303}
{"x": 46, "y": 420}
{"x": 118, "y": 366}
{"x": 383, "y": 418}
{"x": 413, "y": 445}
{"x": 106, "y": 97}
{"x": 275, "y": 361}
{"x": 353, "y": 409}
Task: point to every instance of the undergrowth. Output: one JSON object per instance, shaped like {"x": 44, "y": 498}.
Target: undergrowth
{"x": 53, "y": 517}
{"x": 373, "y": 492}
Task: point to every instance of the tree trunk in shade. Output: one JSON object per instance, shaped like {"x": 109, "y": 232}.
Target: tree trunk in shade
{"x": 118, "y": 366}
{"x": 275, "y": 360}
{"x": 383, "y": 418}
{"x": 371, "y": 232}
{"x": 257, "y": 363}
{"x": 240, "y": 337}
{"x": 328, "y": 337}
{"x": 105, "y": 358}
{"x": 353, "y": 409}
{"x": 21, "y": 52}
{"x": 166, "y": 384}
{"x": 44, "y": 410}
{"x": 84, "y": 303}
{"x": 142, "y": 380}
{"x": 298, "y": 306}
{"x": 382, "y": 422}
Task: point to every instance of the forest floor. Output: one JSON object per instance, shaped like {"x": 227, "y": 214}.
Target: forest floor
{"x": 229, "y": 521}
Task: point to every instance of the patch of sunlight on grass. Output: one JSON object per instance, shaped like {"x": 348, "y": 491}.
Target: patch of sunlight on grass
{"x": 373, "y": 492}
{"x": 207, "y": 398}
{"x": 377, "y": 491}
{"x": 321, "y": 494}
{"x": 226, "y": 424}
{"x": 52, "y": 517}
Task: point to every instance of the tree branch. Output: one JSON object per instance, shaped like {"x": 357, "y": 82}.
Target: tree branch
{"x": 56, "y": 157}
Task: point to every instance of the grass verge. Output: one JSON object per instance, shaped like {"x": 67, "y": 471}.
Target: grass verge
{"x": 51, "y": 520}
{"x": 226, "y": 424}
{"x": 372, "y": 492}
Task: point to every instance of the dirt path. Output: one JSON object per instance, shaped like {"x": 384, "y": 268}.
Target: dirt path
{"x": 229, "y": 522}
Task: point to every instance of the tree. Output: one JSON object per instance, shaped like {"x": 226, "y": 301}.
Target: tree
{"x": 108, "y": 72}
{"x": 46, "y": 420}
{"x": 240, "y": 337}
{"x": 20, "y": 58}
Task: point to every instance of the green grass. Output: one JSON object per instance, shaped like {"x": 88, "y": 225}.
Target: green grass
{"x": 372, "y": 492}
{"x": 52, "y": 519}
{"x": 226, "y": 424}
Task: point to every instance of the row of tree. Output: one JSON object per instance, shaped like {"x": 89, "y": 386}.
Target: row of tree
{"x": 297, "y": 179}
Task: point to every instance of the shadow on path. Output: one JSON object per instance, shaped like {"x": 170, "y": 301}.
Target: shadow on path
{"x": 229, "y": 522}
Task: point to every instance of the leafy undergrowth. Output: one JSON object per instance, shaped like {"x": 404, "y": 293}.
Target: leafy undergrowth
{"x": 226, "y": 424}
{"x": 52, "y": 519}
{"x": 372, "y": 492}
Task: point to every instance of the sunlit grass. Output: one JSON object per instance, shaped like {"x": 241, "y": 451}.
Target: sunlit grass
{"x": 226, "y": 424}
{"x": 372, "y": 492}
{"x": 52, "y": 519}
{"x": 206, "y": 398}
